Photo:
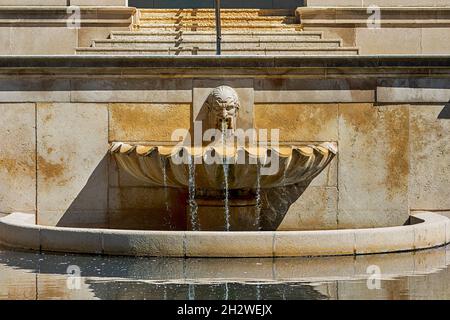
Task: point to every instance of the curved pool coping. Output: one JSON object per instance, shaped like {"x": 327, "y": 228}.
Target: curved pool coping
{"x": 18, "y": 230}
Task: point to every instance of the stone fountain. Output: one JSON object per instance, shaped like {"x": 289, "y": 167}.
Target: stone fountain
{"x": 232, "y": 175}
{"x": 62, "y": 191}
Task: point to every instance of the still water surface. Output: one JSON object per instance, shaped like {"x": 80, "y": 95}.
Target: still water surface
{"x": 420, "y": 275}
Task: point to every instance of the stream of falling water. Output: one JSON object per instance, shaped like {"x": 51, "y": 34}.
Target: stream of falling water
{"x": 166, "y": 195}
{"x": 227, "y": 196}
{"x": 192, "y": 203}
{"x": 226, "y": 291}
{"x": 258, "y": 292}
{"x": 226, "y": 173}
{"x": 191, "y": 292}
{"x": 258, "y": 195}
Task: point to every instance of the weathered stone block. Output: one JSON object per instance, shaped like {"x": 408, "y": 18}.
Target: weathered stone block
{"x": 235, "y": 244}
{"x": 147, "y": 122}
{"x": 15, "y": 235}
{"x": 384, "y": 239}
{"x": 373, "y": 165}
{"x": 309, "y": 243}
{"x": 34, "y": 90}
{"x": 429, "y": 179}
{"x": 17, "y": 158}
{"x": 71, "y": 240}
{"x": 386, "y": 40}
{"x": 5, "y": 40}
{"x": 72, "y": 145}
{"x": 435, "y": 41}
{"x": 432, "y": 233}
{"x": 297, "y": 91}
{"x": 299, "y": 122}
{"x": 43, "y": 40}
{"x": 144, "y": 243}
{"x": 315, "y": 209}
{"x": 413, "y": 90}
{"x": 132, "y": 90}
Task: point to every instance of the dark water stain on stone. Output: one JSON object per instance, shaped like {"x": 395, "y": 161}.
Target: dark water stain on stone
{"x": 17, "y": 167}
{"x": 50, "y": 170}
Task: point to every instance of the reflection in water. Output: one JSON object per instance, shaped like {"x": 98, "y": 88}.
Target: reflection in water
{"x": 420, "y": 275}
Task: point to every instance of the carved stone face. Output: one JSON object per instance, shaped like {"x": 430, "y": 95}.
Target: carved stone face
{"x": 223, "y": 105}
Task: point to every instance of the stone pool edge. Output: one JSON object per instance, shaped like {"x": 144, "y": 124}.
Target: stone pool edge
{"x": 18, "y": 230}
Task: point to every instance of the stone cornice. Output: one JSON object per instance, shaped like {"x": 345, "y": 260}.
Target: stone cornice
{"x": 58, "y": 16}
{"x": 358, "y": 16}
{"x": 240, "y": 66}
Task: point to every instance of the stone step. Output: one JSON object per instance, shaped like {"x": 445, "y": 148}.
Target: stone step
{"x": 211, "y": 36}
{"x": 235, "y": 52}
{"x": 212, "y": 44}
{"x": 225, "y": 27}
{"x": 212, "y": 23}
{"x": 225, "y": 13}
{"x": 209, "y": 20}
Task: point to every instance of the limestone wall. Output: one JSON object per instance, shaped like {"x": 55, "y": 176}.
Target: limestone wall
{"x": 57, "y": 29}
{"x": 393, "y": 29}
{"x": 54, "y": 135}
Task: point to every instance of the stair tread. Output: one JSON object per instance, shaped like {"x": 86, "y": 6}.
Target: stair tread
{"x": 225, "y": 49}
{"x": 144, "y": 33}
{"x": 213, "y": 41}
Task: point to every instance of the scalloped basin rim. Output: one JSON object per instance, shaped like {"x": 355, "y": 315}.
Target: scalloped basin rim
{"x": 228, "y": 151}
{"x": 242, "y": 168}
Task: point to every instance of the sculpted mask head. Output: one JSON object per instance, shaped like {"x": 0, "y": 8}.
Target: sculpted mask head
{"x": 223, "y": 105}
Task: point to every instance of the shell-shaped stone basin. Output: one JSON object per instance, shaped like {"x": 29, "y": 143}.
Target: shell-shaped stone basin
{"x": 245, "y": 167}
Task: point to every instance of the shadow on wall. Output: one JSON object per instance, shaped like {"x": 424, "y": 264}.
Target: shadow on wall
{"x": 113, "y": 199}
{"x": 276, "y": 203}
{"x": 106, "y": 202}
{"x": 260, "y": 4}
{"x": 445, "y": 113}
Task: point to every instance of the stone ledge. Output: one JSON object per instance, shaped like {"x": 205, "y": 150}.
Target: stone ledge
{"x": 337, "y": 17}
{"x": 18, "y": 230}
{"x": 62, "y": 3}
{"x": 125, "y": 65}
{"x": 380, "y": 3}
{"x": 59, "y": 16}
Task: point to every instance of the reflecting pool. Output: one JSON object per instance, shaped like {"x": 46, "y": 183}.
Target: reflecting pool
{"x": 417, "y": 275}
